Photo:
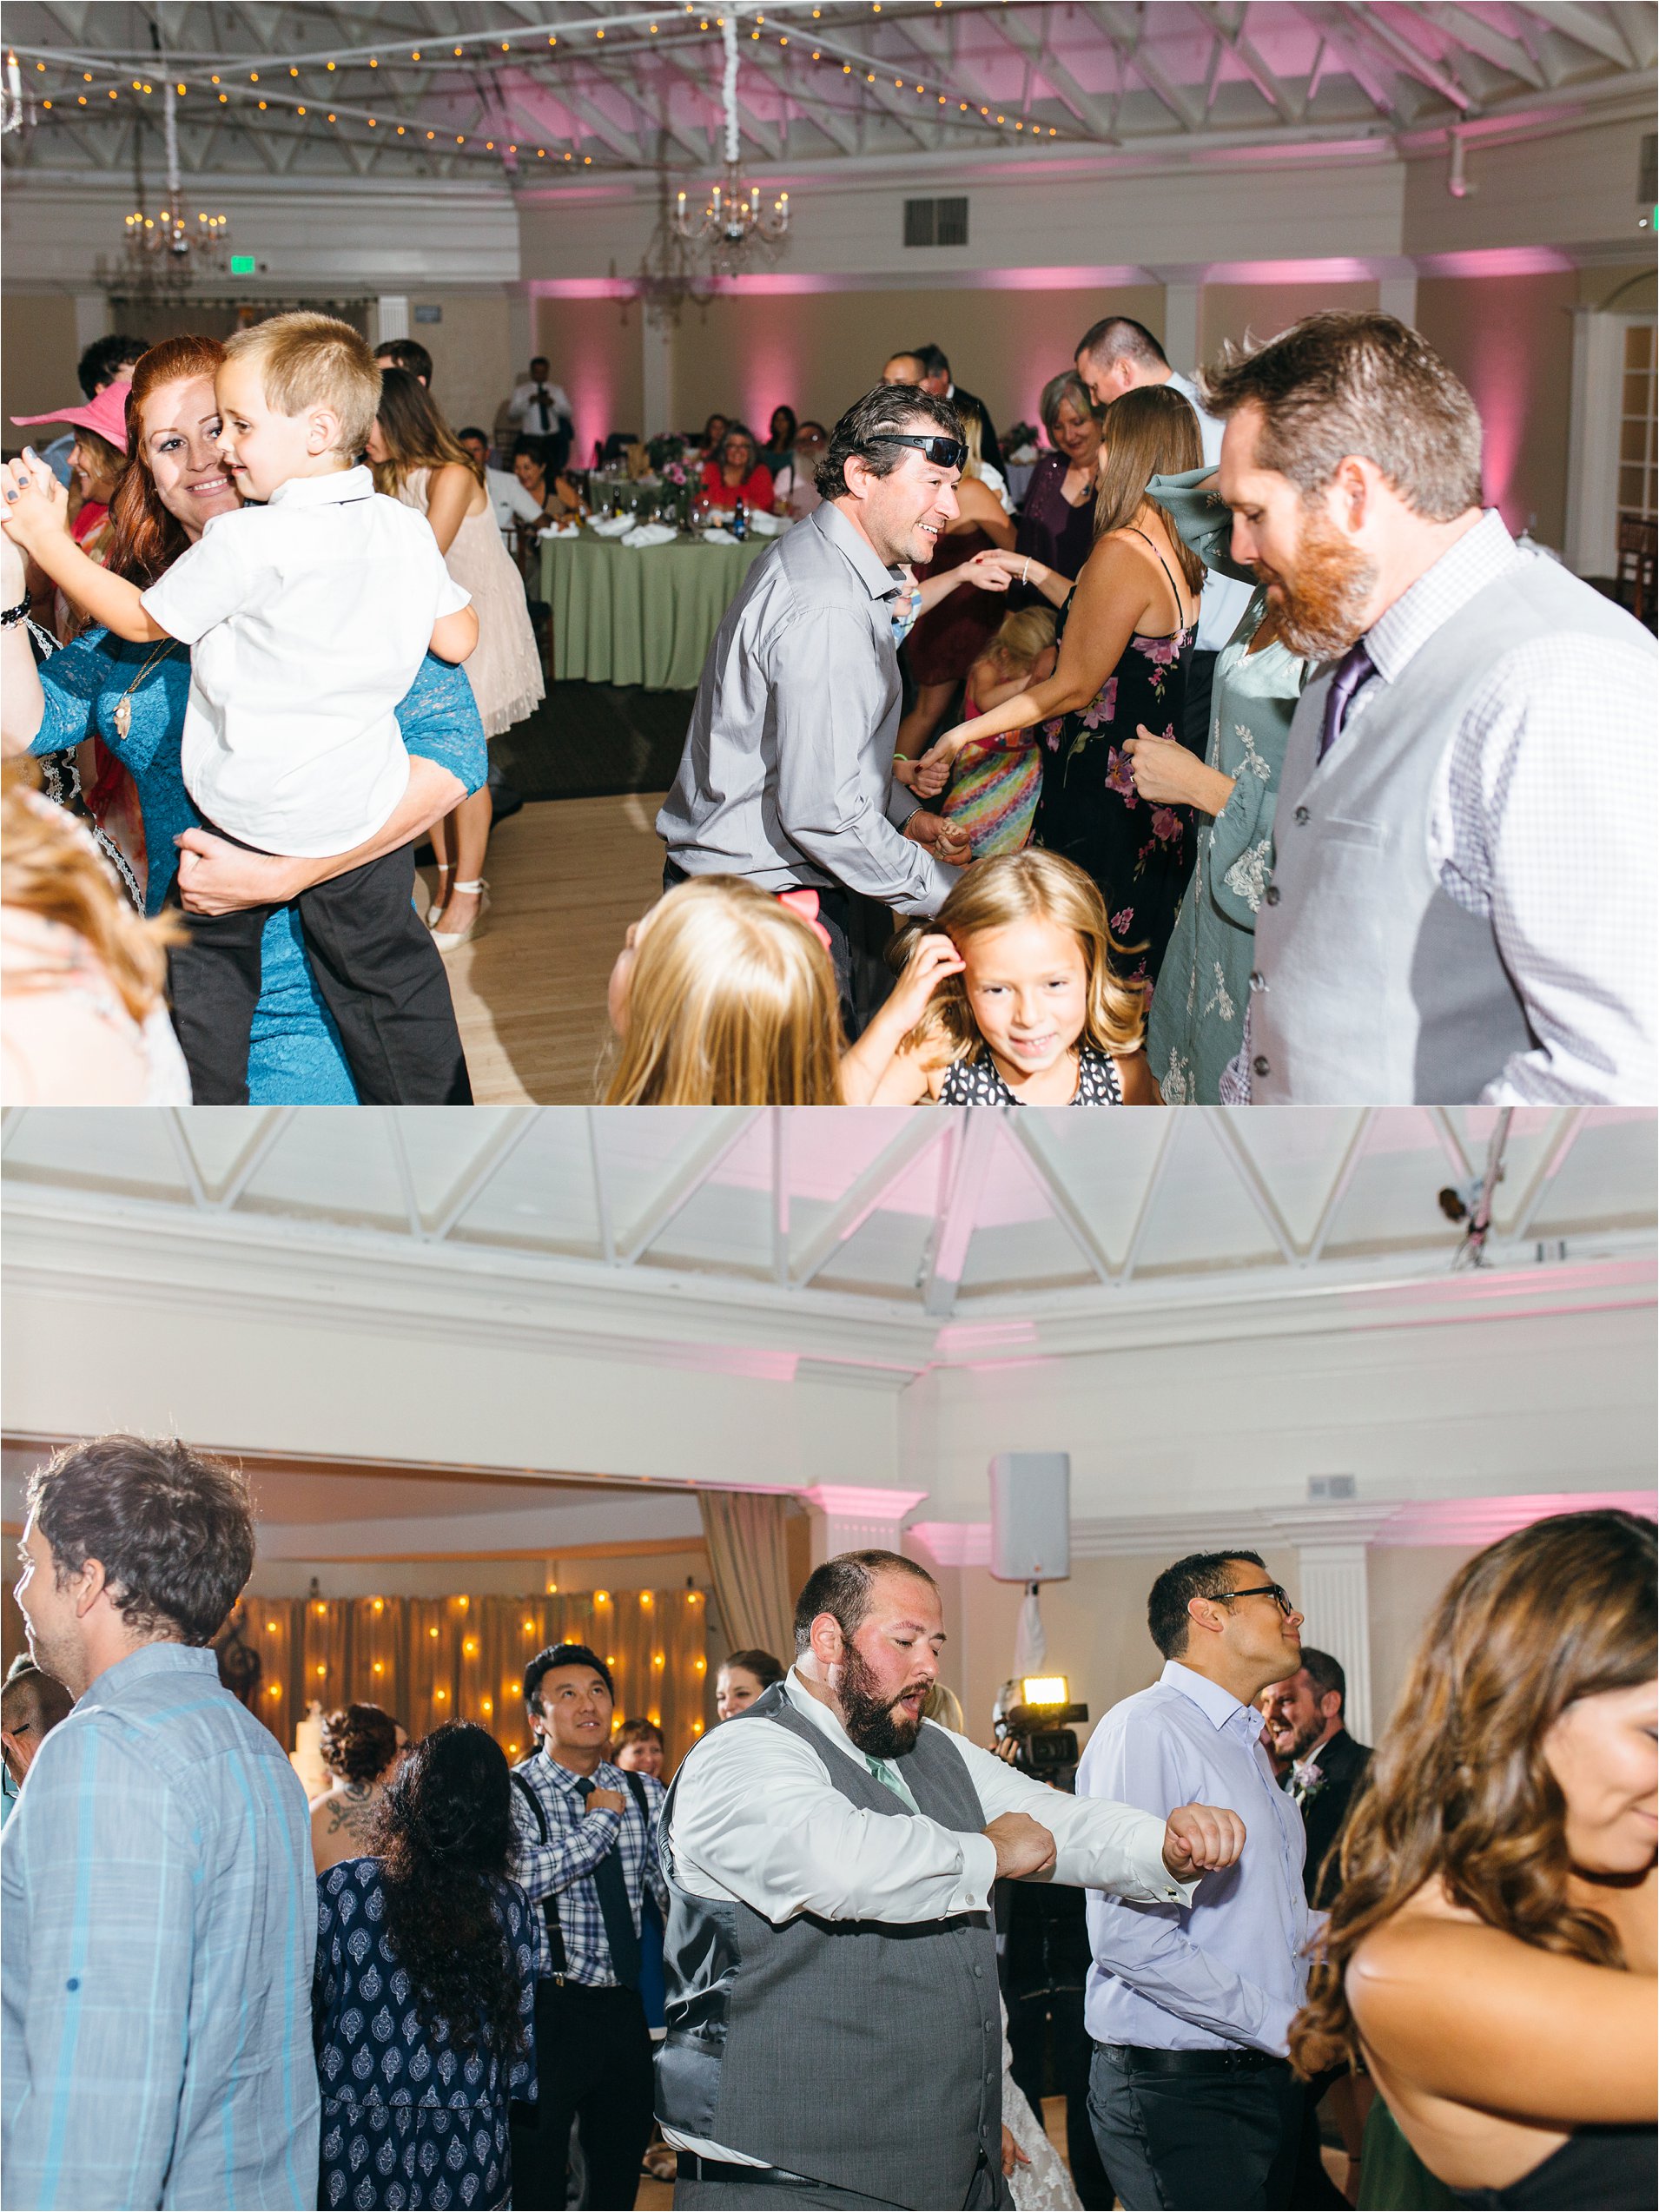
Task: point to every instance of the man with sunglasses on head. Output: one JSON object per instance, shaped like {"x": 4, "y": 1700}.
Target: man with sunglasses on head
{"x": 1191, "y": 2094}
{"x": 787, "y": 774}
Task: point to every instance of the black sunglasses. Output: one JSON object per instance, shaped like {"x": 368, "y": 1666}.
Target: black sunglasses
{"x": 944, "y": 452}
{"x": 1276, "y": 1591}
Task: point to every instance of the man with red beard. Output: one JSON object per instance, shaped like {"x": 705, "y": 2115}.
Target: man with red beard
{"x": 830, "y": 1858}
{"x": 1461, "y": 905}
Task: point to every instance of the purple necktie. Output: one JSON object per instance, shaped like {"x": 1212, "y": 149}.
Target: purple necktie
{"x": 1352, "y": 669}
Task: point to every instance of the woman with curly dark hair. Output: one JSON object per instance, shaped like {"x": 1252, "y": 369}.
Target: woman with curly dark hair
{"x": 423, "y": 2004}
{"x": 1491, "y": 1955}
{"x": 360, "y": 1745}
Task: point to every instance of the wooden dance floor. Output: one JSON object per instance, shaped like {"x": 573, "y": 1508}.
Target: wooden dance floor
{"x": 566, "y": 877}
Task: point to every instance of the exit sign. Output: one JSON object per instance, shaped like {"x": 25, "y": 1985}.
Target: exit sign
{"x": 241, "y": 265}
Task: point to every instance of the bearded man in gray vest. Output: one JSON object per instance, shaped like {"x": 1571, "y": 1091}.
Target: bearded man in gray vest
{"x": 834, "y": 2031}
{"x": 1461, "y": 902}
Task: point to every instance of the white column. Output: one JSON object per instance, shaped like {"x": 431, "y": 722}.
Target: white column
{"x": 1593, "y": 443}
{"x": 1334, "y": 1597}
{"x": 656, "y": 343}
{"x": 851, "y": 1517}
{"x": 1180, "y": 326}
{"x": 1397, "y": 295}
{"x": 521, "y": 328}
{"x": 91, "y": 320}
{"x": 389, "y": 318}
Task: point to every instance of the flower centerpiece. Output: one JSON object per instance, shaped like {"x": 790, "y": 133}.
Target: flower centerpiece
{"x": 1023, "y": 441}
{"x": 667, "y": 456}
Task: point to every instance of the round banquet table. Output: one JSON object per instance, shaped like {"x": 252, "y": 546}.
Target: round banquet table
{"x": 645, "y": 615}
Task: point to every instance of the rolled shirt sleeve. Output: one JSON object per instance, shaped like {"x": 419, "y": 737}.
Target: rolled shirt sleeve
{"x": 206, "y": 585}
{"x": 829, "y": 693}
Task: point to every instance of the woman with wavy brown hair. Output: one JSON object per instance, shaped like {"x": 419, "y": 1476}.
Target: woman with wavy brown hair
{"x": 423, "y": 2001}
{"x": 1491, "y": 1955}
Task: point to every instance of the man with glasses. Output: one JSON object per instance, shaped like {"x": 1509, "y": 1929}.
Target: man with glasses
{"x": 1191, "y": 2094}
{"x": 787, "y": 774}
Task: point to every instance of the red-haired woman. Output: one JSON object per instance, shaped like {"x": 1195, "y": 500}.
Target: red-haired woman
{"x": 133, "y": 697}
{"x": 1491, "y": 1956}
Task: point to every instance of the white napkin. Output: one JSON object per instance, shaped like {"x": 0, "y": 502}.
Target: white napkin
{"x": 768, "y": 525}
{"x": 651, "y": 533}
{"x": 611, "y": 526}
{"x": 560, "y": 530}
{"x": 719, "y": 537}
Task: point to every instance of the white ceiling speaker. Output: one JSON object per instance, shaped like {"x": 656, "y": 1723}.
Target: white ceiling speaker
{"x": 1031, "y": 1531}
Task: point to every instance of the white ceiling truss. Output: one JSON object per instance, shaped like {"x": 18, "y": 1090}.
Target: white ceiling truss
{"x": 470, "y": 88}
{"x": 941, "y": 1214}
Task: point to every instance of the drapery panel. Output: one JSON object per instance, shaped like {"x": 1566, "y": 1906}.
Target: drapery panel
{"x": 750, "y": 1565}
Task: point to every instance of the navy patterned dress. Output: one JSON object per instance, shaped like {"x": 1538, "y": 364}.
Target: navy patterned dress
{"x": 407, "y": 2119}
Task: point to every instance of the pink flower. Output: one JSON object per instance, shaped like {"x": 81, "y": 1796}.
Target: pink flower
{"x": 1164, "y": 651}
{"x": 1050, "y": 734}
{"x": 1101, "y": 710}
{"x": 1119, "y": 776}
{"x": 1166, "y": 824}
{"x": 1120, "y": 920}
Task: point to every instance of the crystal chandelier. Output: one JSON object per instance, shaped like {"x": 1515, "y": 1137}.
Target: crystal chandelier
{"x": 164, "y": 252}
{"x": 732, "y": 219}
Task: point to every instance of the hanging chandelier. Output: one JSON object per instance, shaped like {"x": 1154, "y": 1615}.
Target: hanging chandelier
{"x": 164, "y": 252}
{"x": 732, "y": 220}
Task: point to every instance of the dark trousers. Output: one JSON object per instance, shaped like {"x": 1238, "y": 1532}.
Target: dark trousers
{"x": 834, "y": 912}
{"x": 1195, "y": 714}
{"x": 593, "y": 2062}
{"x": 1312, "y": 2186}
{"x": 379, "y": 972}
{"x": 1199, "y": 2141}
{"x": 988, "y": 2189}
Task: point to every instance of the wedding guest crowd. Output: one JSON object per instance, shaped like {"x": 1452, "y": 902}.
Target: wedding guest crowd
{"x": 1301, "y": 725}
{"x": 462, "y": 2007}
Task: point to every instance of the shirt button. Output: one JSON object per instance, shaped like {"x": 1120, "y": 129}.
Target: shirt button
{"x": 1271, "y": 894}
{"x": 1259, "y": 1065}
{"x": 1301, "y": 814}
{"x": 979, "y": 1973}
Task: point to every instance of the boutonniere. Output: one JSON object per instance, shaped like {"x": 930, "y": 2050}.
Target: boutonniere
{"x": 1306, "y": 1780}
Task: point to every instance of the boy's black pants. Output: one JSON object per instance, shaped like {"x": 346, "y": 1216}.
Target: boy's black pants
{"x": 376, "y": 966}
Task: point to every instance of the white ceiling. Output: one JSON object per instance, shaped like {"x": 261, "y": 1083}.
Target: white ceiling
{"x": 930, "y": 1214}
{"x": 521, "y": 91}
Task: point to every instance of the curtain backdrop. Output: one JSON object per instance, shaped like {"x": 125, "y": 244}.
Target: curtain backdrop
{"x": 431, "y": 1659}
{"x": 748, "y": 1558}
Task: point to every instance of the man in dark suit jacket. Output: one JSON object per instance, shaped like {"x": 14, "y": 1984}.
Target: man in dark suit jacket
{"x": 1305, "y": 1716}
{"x": 933, "y": 375}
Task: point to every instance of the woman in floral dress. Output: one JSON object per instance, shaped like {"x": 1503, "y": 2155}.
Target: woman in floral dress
{"x": 1125, "y": 638}
{"x": 1198, "y": 1020}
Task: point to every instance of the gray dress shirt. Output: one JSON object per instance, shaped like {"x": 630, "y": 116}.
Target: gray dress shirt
{"x": 787, "y": 775}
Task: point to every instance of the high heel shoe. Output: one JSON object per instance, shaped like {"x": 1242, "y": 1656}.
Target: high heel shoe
{"x": 449, "y": 940}
{"x": 435, "y": 910}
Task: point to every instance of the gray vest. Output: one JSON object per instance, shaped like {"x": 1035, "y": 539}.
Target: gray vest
{"x": 861, "y": 2053}
{"x": 1372, "y": 987}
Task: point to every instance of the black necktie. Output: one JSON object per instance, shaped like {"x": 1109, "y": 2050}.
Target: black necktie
{"x": 614, "y": 1909}
{"x": 541, "y": 405}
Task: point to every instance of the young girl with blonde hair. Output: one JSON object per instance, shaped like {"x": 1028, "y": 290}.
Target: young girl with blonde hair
{"x": 724, "y": 995}
{"x": 1009, "y": 997}
{"x": 994, "y": 785}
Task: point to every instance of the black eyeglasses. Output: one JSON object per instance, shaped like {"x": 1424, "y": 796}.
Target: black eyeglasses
{"x": 945, "y": 452}
{"x": 1276, "y": 1591}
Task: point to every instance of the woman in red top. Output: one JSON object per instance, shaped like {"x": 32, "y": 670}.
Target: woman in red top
{"x": 736, "y": 474}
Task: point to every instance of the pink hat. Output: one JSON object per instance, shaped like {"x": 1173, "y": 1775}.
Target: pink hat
{"x": 107, "y": 414}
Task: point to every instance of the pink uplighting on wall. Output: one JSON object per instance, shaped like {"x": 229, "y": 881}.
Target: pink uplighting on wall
{"x": 1329, "y": 271}
{"x": 1497, "y": 261}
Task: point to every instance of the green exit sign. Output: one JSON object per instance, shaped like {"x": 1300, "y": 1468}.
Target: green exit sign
{"x": 241, "y": 265}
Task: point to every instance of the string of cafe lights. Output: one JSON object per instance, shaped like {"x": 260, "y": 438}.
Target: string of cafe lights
{"x": 272, "y": 90}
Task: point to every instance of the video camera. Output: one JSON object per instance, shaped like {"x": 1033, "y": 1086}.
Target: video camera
{"x": 1036, "y": 1711}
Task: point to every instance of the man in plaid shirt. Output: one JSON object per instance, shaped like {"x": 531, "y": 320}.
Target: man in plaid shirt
{"x": 587, "y": 1858}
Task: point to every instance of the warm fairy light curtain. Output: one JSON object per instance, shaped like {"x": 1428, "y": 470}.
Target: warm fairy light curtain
{"x": 432, "y": 1660}
{"x": 749, "y": 1559}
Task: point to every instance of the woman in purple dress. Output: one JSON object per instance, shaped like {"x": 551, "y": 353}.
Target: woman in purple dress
{"x": 1056, "y": 523}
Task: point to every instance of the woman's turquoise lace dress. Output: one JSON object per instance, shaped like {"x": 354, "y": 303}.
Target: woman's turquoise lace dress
{"x": 1197, "y": 1017}
{"x": 295, "y": 1057}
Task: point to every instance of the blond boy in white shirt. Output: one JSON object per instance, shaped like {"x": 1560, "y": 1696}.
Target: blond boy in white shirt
{"x": 308, "y": 616}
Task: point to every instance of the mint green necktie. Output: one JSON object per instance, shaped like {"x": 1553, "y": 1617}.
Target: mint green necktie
{"x": 890, "y": 1777}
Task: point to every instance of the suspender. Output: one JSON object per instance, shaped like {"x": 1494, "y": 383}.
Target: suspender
{"x": 550, "y": 1918}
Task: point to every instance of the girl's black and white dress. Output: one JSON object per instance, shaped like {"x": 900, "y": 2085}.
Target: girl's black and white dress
{"x": 976, "y": 1082}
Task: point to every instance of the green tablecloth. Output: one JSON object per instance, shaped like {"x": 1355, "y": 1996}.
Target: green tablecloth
{"x": 645, "y": 615}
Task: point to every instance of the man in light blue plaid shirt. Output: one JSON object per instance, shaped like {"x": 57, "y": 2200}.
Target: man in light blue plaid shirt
{"x": 160, "y": 1909}
{"x": 587, "y": 1858}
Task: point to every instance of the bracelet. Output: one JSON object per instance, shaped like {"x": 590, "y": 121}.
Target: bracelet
{"x": 1025, "y": 573}
{"x": 13, "y": 615}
